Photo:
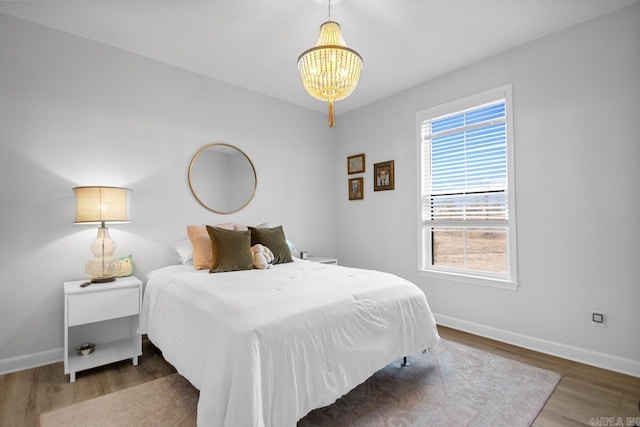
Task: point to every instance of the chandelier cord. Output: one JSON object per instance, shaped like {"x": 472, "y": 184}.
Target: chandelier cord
{"x": 329, "y": 10}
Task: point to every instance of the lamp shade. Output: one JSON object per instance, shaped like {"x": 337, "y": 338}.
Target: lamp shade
{"x": 95, "y": 205}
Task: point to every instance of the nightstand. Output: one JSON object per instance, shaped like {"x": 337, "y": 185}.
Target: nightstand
{"x": 323, "y": 260}
{"x": 106, "y": 314}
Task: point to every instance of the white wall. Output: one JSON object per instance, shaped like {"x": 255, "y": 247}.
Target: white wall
{"x": 577, "y": 152}
{"x": 74, "y": 112}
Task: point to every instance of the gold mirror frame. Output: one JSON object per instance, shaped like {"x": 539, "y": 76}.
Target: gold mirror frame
{"x": 191, "y": 180}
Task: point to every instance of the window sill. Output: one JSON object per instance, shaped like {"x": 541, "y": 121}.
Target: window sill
{"x": 465, "y": 278}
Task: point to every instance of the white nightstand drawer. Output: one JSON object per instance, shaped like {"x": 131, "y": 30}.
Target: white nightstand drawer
{"x": 103, "y": 305}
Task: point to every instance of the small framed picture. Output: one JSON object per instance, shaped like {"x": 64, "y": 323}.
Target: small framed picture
{"x": 383, "y": 176}
{"x": 355, "y": 164}
{"x": 356, "y": 187}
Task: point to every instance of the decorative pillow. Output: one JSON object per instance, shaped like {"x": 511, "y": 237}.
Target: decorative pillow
{"x": 231, "y": 249}
{"x": 201, "y": 242}
{"x": 184, "y": 250}
{"x": 241, "y": 227}
{"x": 274, "y": 239}
{"x": 292, "y": 247}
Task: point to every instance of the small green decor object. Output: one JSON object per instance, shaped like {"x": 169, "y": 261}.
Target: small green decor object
{"x": 126, "y": 266}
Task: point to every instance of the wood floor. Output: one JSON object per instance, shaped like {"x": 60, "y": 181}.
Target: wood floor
{"x": 585, "y": 395}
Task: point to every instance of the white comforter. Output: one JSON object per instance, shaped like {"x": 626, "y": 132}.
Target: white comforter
{"x": 264, "y": 347}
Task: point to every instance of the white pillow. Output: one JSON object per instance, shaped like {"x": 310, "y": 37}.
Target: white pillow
{"x": 184, "y": 250}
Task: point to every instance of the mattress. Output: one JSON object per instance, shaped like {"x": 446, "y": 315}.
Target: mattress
{"x": 265, "y": 347}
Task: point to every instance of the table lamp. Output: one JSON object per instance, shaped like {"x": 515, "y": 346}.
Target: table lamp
{"x": 101, "y": 205}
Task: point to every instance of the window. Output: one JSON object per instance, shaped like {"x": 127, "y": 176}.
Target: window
{"x": 467, "y": 209}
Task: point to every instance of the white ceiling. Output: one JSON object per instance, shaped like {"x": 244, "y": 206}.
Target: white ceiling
{"x": 255, "y": 43}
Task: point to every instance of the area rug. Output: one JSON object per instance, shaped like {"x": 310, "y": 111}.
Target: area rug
{"x": 452, "y": 385}
{"x": 167, "y": 401}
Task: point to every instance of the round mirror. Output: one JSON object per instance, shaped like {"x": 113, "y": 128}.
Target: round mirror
{"x": 222, "y": 178}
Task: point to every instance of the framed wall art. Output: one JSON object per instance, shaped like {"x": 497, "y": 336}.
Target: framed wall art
{"x": 356, "y": 188}
{"x": 383, "y": 176}
{"x": 355, "y": 164}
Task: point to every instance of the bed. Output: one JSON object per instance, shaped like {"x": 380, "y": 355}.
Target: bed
{"x": 265, "y": 347}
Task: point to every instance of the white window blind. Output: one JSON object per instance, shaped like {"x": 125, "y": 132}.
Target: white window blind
{"x": 465, "y": 160}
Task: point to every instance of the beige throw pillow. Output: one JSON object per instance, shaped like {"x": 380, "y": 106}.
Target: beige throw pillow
{"x": 201, "y": 242}
{"x": 242, "y": 227}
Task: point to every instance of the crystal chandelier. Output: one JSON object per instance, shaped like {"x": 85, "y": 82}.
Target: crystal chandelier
{"x": 330, "y": 70}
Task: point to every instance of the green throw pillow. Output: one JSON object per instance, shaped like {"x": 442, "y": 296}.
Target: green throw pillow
{"x": 232, "y": 249}
{"x": 274, "y": 239}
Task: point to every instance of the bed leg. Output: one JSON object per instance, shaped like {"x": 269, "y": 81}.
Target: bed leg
{"x": 404, "y": 361}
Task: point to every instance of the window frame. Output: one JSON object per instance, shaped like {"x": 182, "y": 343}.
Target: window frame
{"x": 508, "y": 280}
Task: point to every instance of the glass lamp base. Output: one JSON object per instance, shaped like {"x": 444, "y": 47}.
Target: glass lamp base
{"x": 104, "y": 267}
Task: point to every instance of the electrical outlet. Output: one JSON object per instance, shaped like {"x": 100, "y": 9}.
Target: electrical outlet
{"x": 597, "y": 319}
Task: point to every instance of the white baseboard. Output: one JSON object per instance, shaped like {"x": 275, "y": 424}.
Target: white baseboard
{"x": 577, "y": 354}
{"x": 28, "y": 361}
{"x": 589, "y": 357}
